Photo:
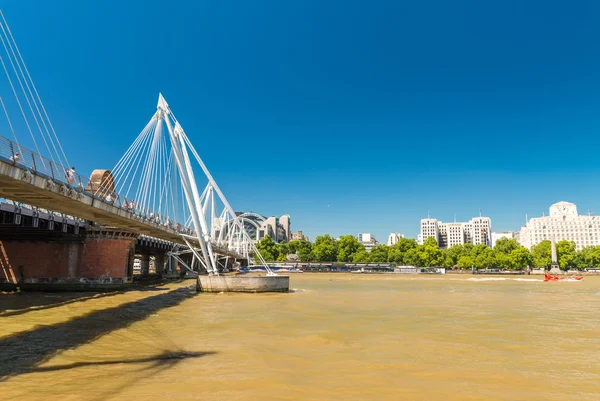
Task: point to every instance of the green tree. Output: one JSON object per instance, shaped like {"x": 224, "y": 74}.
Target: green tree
{"x": 594, "y": 257}
{"x": 542, "y": 254}
{"x": 282, "y": 257}
{"x": 268, "y": 249}
{"x": 476, "y": 250}
{"x": 485, "y": 257}
{"x": 430, "y": 254}
{"x": 454, "y": 253}
{"x": 302, "y": 248}
{"x": 465, "y": 262}
{"x": 397, "y": 251}
{"x": 362, "y": 256}
{"x": 379, "y": 254}
{"x": 284, "y": 249}
{"x": 565, "y": 251}
{"x": 412, "y": 257}
{"x": 347, "y": 247}
{"x": 503, "y": 260}
{"x": 325, "y": 249}
{"x": 521, "y": 257}
{"x": 506, "y": 246}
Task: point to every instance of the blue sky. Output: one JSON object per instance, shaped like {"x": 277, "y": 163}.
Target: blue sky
{"x": 351, "y": 116}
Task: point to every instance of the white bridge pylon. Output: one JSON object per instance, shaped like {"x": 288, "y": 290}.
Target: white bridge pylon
{"x": 156, "y": 178}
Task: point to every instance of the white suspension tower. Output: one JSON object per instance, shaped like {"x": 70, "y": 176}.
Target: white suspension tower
{"x": 178, "y": 144}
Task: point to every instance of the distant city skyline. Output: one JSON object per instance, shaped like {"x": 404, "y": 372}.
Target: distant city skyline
{"x": 350, "y": 118}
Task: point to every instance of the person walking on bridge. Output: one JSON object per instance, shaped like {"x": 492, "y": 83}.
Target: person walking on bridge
{"x": 16, "y": 157}
{"x": 71, "y": 175}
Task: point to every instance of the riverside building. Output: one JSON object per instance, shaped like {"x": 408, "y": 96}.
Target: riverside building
{"x": 393, "y": 238}
{"x": 563, "y": 223}
{"x": 505, "y": 234}
{"x": 299, "y": 236}
{"x": 368, "y": 240}
{"x": 476, "y": 231}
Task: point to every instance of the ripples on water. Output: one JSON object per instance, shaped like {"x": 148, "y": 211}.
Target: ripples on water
{"x": 333, "y": 337}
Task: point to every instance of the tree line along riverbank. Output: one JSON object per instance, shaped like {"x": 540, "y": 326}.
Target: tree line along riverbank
{"x": 507, "y": 254}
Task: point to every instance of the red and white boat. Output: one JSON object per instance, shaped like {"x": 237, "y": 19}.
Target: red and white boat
{"x": 550, "y": 277}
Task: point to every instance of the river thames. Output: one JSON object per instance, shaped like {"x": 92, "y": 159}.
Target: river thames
{"x": 335, "y": 337}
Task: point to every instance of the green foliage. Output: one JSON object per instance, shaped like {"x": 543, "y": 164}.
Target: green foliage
{"x": 268, "y": 249}
{"x": 520, "y": 258}
{"x": 587, "y": 257}
{"x": 565, "y": 251}
{"x": 502, "y": 260}
{"x": 454, "y": 253}
{"x": 465, "y": 262}
{"x": 347, "y": 247}
{"x": 284, "y": 249}
{"x": 379, "y": 254}
{"x": 362, "y": 256}
{"x": 430, "y": 241}
{"x": 507, "y": 253}
{"x": 542, "y": 254}
{"x": 430, "y": 254}
{"x": 485, "y": 257}
{"x": 325, "y": 249}
{"x": 397, "y": 251}
{"x": 302, "y": 248}
{"x": 506, "y": 246}
{"x": 412, "y": 257}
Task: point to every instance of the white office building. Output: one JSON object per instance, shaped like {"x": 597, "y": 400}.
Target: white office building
{"x": 393, "y": 238}
{"x": 563, "y": 223}
{"x": 505, "y": 234}
{"x": 368, "y": 240}
{"x": 476, "y": 231}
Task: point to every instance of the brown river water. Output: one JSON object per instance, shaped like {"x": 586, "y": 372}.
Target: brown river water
{"x": 335, "y": 337}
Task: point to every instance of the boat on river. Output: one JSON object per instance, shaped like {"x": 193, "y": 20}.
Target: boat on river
{"x": 550, "y": 277}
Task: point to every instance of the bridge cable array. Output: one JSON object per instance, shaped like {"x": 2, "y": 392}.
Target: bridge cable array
{"x": 27, "y": 97}
{"x": 157, "y": 179}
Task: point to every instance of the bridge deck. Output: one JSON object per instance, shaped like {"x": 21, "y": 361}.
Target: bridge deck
{"x": 18, "y": 183}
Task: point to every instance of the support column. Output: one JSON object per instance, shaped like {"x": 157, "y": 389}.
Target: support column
{"x": 160, "y": 263}
{"x": 145, "y": 264}
{"x": 108, "y": 255}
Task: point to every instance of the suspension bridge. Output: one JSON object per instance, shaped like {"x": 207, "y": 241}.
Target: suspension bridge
{"x": 160, "y": 187}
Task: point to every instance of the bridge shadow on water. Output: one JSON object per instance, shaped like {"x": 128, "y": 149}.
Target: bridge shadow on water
{"x": 22, "y": 353}
{"x": 19, "y": 303}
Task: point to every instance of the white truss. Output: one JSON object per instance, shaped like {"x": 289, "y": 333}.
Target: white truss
{"x": 157, "y": 169}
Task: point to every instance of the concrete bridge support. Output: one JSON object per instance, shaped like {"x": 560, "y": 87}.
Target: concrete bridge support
{"x": 145, "y": 264}
{"x": 159, "y": 263}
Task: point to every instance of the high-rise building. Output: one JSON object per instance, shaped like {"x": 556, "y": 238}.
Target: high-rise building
{"x": 429, "y": 228}
{"x": 368, "y": 240}
{"x": 476, "y": 231}
{"x": 393, "y": 238}
{"x": 563, "y": 223}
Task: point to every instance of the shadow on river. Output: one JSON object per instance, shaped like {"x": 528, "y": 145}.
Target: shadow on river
{"x": 23, "y": 352}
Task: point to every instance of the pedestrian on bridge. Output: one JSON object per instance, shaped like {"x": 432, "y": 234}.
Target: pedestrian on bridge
{"x": 16, "y": 157}
{"x": 71, "y": 175}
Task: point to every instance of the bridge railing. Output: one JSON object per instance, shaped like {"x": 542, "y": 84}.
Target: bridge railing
{"x": 15, "y": 154}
